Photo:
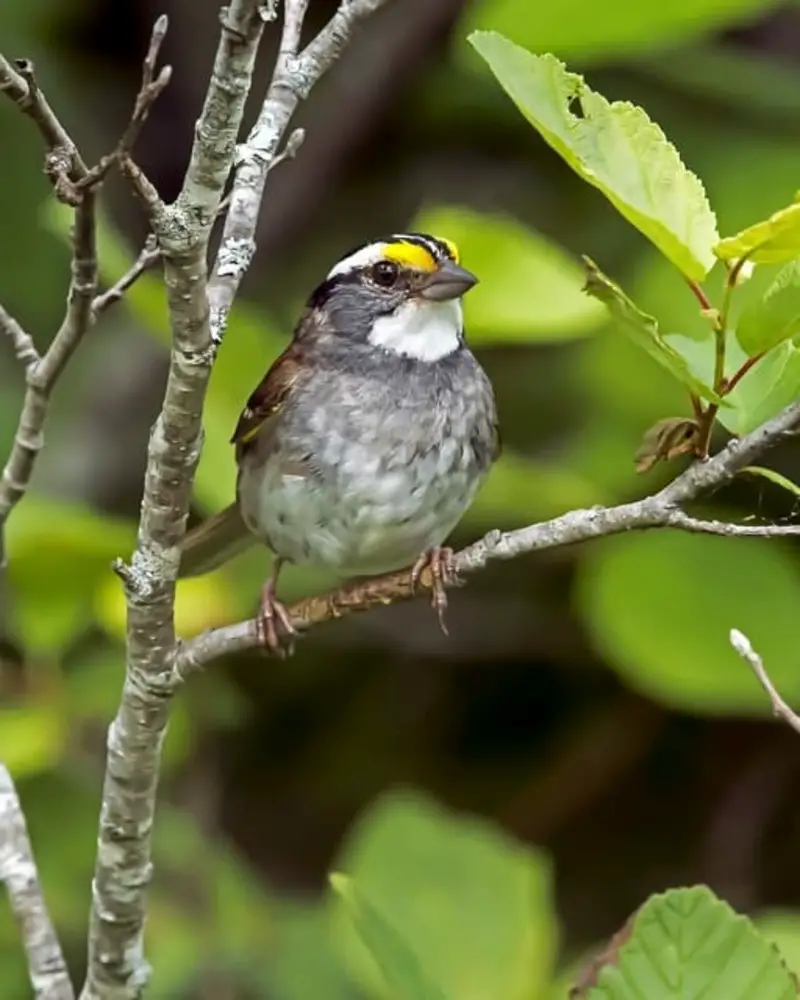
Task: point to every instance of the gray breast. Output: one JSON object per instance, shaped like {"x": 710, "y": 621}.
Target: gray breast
{"x": 375, "y": 462}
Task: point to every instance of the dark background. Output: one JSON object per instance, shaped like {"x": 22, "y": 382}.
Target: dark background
{"x": 586, "y": 700}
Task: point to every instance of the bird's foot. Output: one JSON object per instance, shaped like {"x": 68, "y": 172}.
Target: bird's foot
{"x": 439, "y": 561}
{"x": 275, "y": 630}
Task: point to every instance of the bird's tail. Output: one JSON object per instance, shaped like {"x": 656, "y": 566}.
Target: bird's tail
{"x": 214, "y": 542}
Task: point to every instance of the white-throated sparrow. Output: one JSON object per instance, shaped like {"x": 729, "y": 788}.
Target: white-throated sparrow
{"x": 369, "y": 436}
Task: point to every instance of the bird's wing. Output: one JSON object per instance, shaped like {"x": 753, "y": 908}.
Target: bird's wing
{"x": 225, "y": 535}
{"x": 267, "y": 400}
{"x": 214, "y": 542}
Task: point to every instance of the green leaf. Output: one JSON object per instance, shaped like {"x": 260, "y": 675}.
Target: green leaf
{"x": 774, "y": 477}
{"x": 452, "y": 886}
{"x": 643, "y": 329}
{"x": 659, "y": 608}
{"x": 765, "y": 390}
{"x": 782, "y": 928}
{"x": 686, "y": 944}
{"x": 395, "y": 958}
{"x": 773, "y": 318}
{"x": 529, "y": 289}
{"x": 773, "y": 241}
{"x": 585, "y": 30}
{"x": 613, "y": 146}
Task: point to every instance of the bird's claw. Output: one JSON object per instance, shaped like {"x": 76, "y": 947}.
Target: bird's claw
{"x": 275, "y": 630}
{"x": 440, "y": 561}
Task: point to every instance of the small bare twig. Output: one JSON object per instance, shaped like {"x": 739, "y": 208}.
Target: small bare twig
{"x": 730, "y": 529}
{"x": 46, "y": 966}
{"x": 65, "y": 167}
{"x": 660, "y": 510}
{"x": 151, "y": 87}
{"x": 780, "y": 709}
{"x": 76, "y": 185}
{"x": 148, "y": 257}
{"x": 19, "y": 84}
{"x": 22, "y": 342}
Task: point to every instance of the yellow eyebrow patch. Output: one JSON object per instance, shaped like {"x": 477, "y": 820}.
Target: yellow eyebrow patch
{"x": 412, "y": 255}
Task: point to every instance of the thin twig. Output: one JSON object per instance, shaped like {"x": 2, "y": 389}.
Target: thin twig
{"x": 293, "y": 78}
{"x": 659, "y": 510}
{"x": 780, "y": 709}
{"x": 66, "y": 168}
{"x": 148, "y": 257}
{"x": 46, "y": 965}
{"x": 21, "y": 341}
{"x": 730, "y": 529}
{"x": 19, "y": 84}
{"x": 151, "y": 87}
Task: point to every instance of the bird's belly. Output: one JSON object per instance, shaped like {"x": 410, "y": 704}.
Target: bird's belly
{"x": 365, "y": 521}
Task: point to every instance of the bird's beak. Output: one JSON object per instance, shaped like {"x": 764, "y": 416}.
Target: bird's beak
{"x": 450, "y": 281}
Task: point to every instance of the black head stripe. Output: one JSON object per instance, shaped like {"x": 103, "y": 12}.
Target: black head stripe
{"x": 438, "y": 248}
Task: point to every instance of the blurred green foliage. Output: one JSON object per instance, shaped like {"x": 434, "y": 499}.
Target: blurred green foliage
{"x": 421, "y": 889}
{"x": 576, "y": 394}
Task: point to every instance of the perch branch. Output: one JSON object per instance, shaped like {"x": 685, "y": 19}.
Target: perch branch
{"x": 660, "y": 510}
{"x": 46, "y": 966}
{"x": 780, "y": 709}
{"x": 296, "y": 72}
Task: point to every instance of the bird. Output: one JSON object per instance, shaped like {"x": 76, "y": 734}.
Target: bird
{"x": 368, "y": 437}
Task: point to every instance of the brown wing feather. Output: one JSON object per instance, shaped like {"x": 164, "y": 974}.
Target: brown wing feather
{"x": 268, "y": 398}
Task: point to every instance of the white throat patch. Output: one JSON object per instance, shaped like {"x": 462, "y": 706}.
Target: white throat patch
{"x": 426, "y": 331}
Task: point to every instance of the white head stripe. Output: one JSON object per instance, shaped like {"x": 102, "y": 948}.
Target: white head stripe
{"x": 431, "y": 245}
{"x": 370, "y": 254}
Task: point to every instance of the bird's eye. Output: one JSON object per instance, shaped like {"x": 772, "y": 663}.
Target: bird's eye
{"x": 385, "y": 273}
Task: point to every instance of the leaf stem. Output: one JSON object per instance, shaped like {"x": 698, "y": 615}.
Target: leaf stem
{"x": 721, "y": 385}
{"x": 737, "y": 376}
{"x": 699, "y": 294}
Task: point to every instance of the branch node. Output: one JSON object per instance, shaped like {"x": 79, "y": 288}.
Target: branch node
{"x": 123, "y": 571}
{"x": 142, "y": 186}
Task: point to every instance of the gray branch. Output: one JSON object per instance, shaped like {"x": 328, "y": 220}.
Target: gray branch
{"x": 21, "y": 341}
{"x": 293, "y": 79}
{"x": 660, "y": 510}
{"x": 46, "y": 966}
{"x": 780, "y": 709}
{"x": 76, "y": 185}
{"x": 117, "y": 969}
{"x": 65, "y": 168}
